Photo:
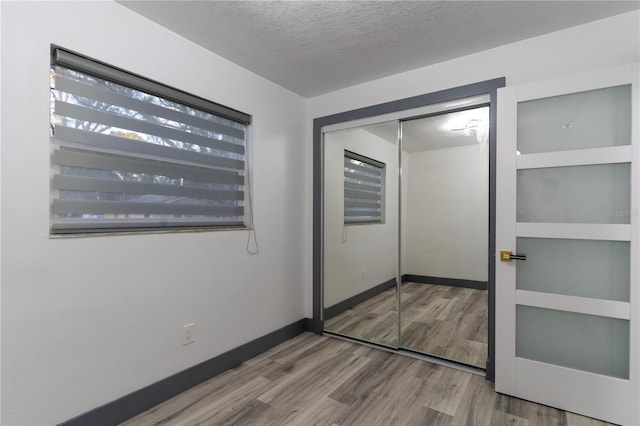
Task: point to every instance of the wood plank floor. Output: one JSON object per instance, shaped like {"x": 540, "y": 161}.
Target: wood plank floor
{"x": 448, "y": 322}
{"x": 320, "y": 380}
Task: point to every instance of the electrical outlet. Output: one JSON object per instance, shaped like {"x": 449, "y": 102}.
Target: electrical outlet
{"x": 363, "y": 274}
{"x": 187, "y": 336}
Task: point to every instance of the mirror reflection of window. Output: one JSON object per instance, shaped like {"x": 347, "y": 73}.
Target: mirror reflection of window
{"x": 361, "y": 232}
{"x": 363, "y": 189}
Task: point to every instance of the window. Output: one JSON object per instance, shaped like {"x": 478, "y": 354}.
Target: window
{"x": 128, "y": 153}
{"x": 363, "y": 189}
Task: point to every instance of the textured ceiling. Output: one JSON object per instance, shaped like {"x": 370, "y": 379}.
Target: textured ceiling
{"x": 315, "y": 47}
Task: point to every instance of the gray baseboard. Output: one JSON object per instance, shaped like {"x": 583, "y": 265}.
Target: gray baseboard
{"x": 349, "y": 303}
{"x": 142, "y": 400}
{"x": 453, "y": 282}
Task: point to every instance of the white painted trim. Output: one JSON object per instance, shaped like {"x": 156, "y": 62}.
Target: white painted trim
{"x": 505, "y": 321}
{"x": 547, "y": 384}
{"x": 634, "y": 326}
{"x": 581, "y": 305}
{"x": 576, "y": 231}
{"x": 582, "y": 157}
{"x": 591, "y": 80}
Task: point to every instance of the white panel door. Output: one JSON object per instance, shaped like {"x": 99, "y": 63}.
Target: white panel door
{"x": 568, "y": 186}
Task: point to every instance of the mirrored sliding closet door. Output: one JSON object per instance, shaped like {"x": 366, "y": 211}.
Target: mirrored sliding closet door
{"x": 361, "y": 232}
{"x": 445, "y": 235}
{"x": 405, "y": 231}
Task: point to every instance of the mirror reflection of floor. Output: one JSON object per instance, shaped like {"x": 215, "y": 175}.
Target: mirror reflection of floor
{"x": 374, "y": 320}
{"x": 448, "y": 322}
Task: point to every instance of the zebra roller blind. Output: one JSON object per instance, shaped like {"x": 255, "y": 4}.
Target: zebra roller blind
{"x": 129, "y": 153}
{"x": 363, "y": 189}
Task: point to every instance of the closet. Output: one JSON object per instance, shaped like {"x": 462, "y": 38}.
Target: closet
{"x": 404, "y": 237}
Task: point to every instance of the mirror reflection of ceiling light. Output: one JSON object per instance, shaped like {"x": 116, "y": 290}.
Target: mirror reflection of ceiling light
{"x": 474, "y": 122}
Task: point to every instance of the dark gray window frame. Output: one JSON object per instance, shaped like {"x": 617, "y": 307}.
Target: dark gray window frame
{"x": 72, "y": 60}
{"x": 489, "y": 87}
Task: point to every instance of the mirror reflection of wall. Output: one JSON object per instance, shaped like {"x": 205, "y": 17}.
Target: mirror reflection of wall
{"x": 360, "y": 240}
{"x": 445, "y": 235}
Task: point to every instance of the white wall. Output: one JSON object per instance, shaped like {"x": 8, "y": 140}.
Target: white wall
{"x": 369, "y": 247}
{"x": 447, "y": 213}
{"x": 603, "y": 43}
{"x": 88, "y": 320}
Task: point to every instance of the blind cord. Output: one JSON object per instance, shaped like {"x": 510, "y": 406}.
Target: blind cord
{"x": 252, "y": 228}
{"x": 345, "y": 233}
